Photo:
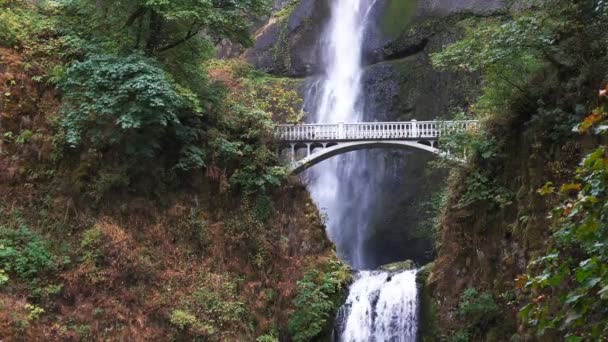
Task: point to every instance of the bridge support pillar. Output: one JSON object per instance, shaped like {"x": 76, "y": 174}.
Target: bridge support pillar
{"x": 308, "y": 149}
{"x": 292, "y": 153}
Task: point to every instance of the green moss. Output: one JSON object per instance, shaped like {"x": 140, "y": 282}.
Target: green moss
{"x": 396, "y": 16}
{"x": 280, "y": 50}
{"x": 399, "y": 266}
{"x": 286, "y": 11}
{"x": 428, "y": 309}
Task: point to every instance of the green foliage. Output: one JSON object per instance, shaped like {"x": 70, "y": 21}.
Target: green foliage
{"x": 195, "y": 230}
{"x": 13, "y": 24}
{"x": 250, "y": 235}
{"x": 536, "y": 67}
{"x": 24, "y": 253}
{"x": 127, "y": 104}
{"x": 460, "y": 336}
{"x": 476, "y": 144}
{"x": 213, "y": 309}
{"x": 318, "y": 298}
{"x": 270, "y": 337}
{"x": 569, "y": 284}
{"x": 430, "y": 211}
{"x": 481, "y": 188}
{"x": 4, "y": 278}
{"x": 478, "y": 309}
{"x": 34, "y": 312}
{"x": 263, "y": 208}
{"x": 286, "y": 11}
{"x": 242, "y": 138}
{"x": 182, "y": 319}
{"x": 21, "y": 24}
{"x": 522, "y": 56}
{"x": 159, "y": 26}
{"x": 507, "y": 52}
{"x": 92, "y": 243}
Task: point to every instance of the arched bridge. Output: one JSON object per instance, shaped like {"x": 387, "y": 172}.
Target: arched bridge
{"x": 322, "y": 141}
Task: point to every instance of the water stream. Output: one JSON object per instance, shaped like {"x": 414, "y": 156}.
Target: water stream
{"x": 381, "y": 306}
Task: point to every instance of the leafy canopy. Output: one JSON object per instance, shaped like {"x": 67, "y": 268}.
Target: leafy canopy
{"x": 128, "y": 107}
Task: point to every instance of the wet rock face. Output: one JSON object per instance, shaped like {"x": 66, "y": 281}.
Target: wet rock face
{"x": 442, "y": 8}
{"x": 410, "y": 88}
{"x": 288, "y": 45}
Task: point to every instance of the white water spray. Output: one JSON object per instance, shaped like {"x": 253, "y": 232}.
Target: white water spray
{"x": 380, "y": 307}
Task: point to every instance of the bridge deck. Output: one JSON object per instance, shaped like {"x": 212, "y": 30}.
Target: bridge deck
{"x": 408, "y": 130}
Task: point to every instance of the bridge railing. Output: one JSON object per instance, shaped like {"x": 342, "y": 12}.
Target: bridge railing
{"x": 371, "y": 130}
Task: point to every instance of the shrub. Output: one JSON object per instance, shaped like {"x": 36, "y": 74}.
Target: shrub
{"x": 270, "y": 337}
{"x": 250, "y": 235}
{"x": 319, "y": 295}
{"x": 460, "y": 336}
{"x": 24, "y": 252}
{"x": 477, "y": 309}
{"x": 126, "y": 107}
{"x": 481, "y": 188}
{"x": 213, "y": 309}
{"x": 182, "y": 319}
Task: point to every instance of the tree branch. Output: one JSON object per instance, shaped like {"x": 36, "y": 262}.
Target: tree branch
{"x": 191, "y": 33}
{"x": 139, "y": 12}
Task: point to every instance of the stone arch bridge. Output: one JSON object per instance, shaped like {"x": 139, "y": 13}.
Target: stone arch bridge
{"x": 308, "y": 144}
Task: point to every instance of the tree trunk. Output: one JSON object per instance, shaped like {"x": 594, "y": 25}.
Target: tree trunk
{"x": 155, "y": 31}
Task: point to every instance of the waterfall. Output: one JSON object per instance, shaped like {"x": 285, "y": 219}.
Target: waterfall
{"x": 381, "y": 306}
{"x": 338, "y": 185}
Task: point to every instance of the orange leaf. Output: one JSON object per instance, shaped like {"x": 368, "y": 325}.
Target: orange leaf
{"x": 521, "y": 281}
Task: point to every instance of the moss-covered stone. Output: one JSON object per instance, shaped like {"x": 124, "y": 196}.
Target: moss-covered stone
{"x": 399, "y": 266}
{"x": 396, "y": 16}
{"x": 427, "y": 329}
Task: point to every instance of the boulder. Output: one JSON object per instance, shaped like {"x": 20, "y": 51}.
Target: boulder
{"x": 406, "y": 265}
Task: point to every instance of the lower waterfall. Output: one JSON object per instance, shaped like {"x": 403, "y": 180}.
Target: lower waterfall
{"x": 381, "y": 307}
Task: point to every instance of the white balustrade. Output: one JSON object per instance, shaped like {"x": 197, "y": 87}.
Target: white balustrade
{"x": 408, "y": 130}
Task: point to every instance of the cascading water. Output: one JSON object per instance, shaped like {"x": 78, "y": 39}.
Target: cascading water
{"x": 381, "y": 305}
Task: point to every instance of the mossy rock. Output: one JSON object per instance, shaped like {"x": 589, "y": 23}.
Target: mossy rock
{"x": 406, "y": 265}
{"x": 427, "y": 330}
{"x": 288, "y": 44}
{"x": 396, "y": 16}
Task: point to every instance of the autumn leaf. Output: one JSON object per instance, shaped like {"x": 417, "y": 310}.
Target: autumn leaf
{"x": 570, "y": 187}
{"x": 521, "y": 281}
{"x": 589, "y": 121}
{"x": 547, "y": 189}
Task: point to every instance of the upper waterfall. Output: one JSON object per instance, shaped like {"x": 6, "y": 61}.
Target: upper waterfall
{"x": 336, "y": 97}
{"x": 339, "y": 100}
